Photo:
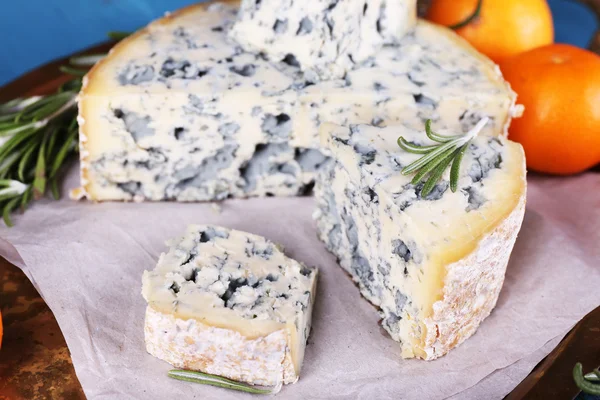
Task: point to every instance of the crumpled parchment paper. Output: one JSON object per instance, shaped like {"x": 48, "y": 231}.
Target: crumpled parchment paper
{"x": 87, "y": 261}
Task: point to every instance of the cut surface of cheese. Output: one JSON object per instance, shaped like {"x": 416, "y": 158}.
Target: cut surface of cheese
{"x": 229, "y": 303}
{"x": 323, "y": 37}
{"x": 179, "y": 112}
{"x": 434, "y": 265}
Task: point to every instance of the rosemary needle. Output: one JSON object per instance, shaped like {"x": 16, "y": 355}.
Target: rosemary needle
{"x": 118, "y": 35}
{"x": 437, "y": 157}
{"x": 219, "y": 381}
{"x": 593, "y": 376}
{"x": 587, "y": 383}
{"x": 87, "y": 60}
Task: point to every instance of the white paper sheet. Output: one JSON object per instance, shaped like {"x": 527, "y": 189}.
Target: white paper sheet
{"x": 87, "y": 261}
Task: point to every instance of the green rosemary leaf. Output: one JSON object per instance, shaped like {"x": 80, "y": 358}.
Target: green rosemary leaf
{"x": 436, "y": 174}
{"x": 5, "y": 197}
{"x": 72, "y": 71}
{"x": 87, "y": 60}
{"x": 118, "y": 35}
{"x": 8, "y": 162}
{"x": 37, "y": 110}
{"x": 431, "y": 166}
{"x": 48, "y": 111}
{"x": 214, "y": 380}
{"x": 7, "y": 126}
{"x": 54, "y": 133}
{"x": 54, "y": 188}
{"x": 24, "y": 162}
{"x": 18, "y": 129}
{"x": 455, "y": 169}
{"x": 25, "y": 113}
{"x": 429, "y": 157}
{"x": 12, "y": 142}
{"x": 37, "y": 134}
{"x": 593, "y": 376}
{"x": 582, "y": 383}
{"x": 64, "y": 150}
{"x": 413, "y": 148}
{"x": 73, "y": 126}
{"x": 436, "y": 158}
{"x": 39, "y": 182}
{"x": 437, "y": 137}
{"x": 8, "y": 208}
{"x": 7, "y": 118}
{"x": 72, "y": 86}
{"x": 17, "y": 104}
{"x": 26, "y": 198}
{"x": 11, "y": 106}
{"x": 10, "y": 188}
{"x": 11, "y": 203}
{"x": 5, "y": 183}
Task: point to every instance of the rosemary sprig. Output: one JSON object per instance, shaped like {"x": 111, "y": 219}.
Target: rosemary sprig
{"x": 37, "y": 135}
{"x": 118, "y": 35}
{"x": 436, "y": 158}
{"x": 588, "y": 383}
{"x": 219, "y": 381}
{"x": 87, "y": 60}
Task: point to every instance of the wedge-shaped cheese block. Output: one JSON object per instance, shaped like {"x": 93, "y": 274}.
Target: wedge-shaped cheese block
{"x": 325, "y": 37}
{"x": 434, "y": 265}
{"x": 178, "y": 112}
{"x": 229, "y": 303}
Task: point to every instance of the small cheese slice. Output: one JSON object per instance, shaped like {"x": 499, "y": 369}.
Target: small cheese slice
{"x": 324, "y": 37}
{"x": 229, "y": 303}
{"x": 434, "y": 265}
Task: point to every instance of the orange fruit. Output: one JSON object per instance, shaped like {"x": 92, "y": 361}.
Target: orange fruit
{"x": 500, "y": 28}
{"x": 559, "y": 85}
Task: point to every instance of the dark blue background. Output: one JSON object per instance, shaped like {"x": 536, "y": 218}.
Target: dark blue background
{"x": 34, "y": 32}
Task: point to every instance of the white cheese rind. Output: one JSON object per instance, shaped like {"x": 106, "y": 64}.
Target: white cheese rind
{"x": 433, "y": 266}
{"x": 177, "y": 112}
{"x": 229, "y": 303}
{"x": 325, "y": 37}
{"x": 471, "y": 288}
{"x": 189, "y": 344}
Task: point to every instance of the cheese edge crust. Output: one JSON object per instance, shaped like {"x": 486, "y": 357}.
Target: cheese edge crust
{"x": 458, "y": 315}
{"x": 183, "y": 343}
{"x": 86, "y": 188}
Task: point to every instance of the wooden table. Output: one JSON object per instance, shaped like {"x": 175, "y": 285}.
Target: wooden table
{"x": 35, "y": 362}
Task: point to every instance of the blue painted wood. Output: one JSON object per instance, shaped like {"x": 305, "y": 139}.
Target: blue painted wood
{"x": 34, "y": 32}
{"x": 574, "y": 23}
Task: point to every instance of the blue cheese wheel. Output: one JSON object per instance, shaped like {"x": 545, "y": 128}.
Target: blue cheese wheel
{"x": 434, "y": 265}
{"x": 229, "y": 303}
{"x": 179, "y": 112}
{"x": 324, "y": 37}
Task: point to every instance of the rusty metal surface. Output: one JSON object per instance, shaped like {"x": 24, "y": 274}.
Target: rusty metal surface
{"x": 34, "y": 360}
